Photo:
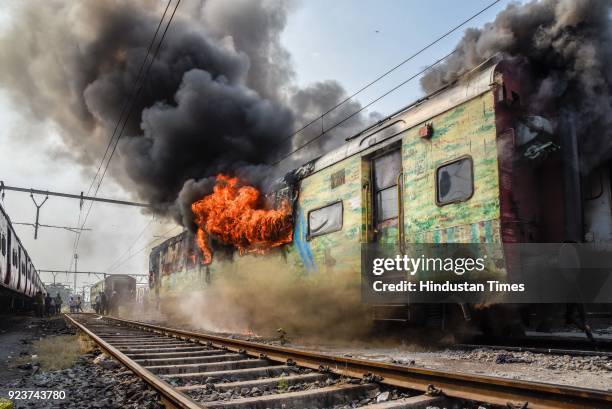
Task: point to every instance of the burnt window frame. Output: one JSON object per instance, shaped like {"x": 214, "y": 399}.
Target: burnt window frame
{"x": 447, "y": 163}
{"x": 311, "y": 236}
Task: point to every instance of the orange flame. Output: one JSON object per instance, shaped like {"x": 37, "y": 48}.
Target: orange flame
{"x": 233, "y": 214}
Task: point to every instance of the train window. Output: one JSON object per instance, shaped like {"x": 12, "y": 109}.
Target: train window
{"x": 386, "y": 203}
{"x": 454, "y": 181}
{"x": 3, "y": 245}
{"x": 325, "y": 219}
{"x": 386, "y": 170}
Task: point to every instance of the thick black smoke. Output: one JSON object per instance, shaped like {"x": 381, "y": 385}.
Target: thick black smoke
{"x": 219, "y": 98}
{"x": 567, "y": 43}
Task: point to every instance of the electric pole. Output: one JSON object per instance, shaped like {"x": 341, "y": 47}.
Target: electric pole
{"x": 76, "y": 260}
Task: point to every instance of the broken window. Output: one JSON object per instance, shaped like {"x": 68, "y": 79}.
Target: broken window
{"x": 454, "y": 181}
{"x": 325, "y": 220}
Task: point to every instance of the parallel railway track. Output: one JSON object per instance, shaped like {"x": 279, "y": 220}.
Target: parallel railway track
{"x": 536, "y": 350}
{"x": 188, "y": 369}
{"x": 543, "y": 345}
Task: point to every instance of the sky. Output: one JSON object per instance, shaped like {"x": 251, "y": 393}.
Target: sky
{"x": 351, "y": 41}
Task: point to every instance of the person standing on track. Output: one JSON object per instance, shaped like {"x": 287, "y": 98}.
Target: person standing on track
{"x": 113, "y": 303}
{"x": 97, "y": 304}
{"x": 39, "y": 304}
{"x": 47, "y": 302}
{"x": 58, "y": 304}
{"x": 51, "y": 305}
{"x": 103, "y": 304}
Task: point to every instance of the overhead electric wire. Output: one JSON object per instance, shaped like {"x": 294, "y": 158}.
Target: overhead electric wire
{"x": 126, "y": 101}
{"x": 142, "y": 249}
{"x": 131, "y": 245}
{"x": 33, "y": 191}
{"x": 383, "y": 75}
{"x": 389, "y": 71}
{"x": 125, "y": 105}
{"x": 159, "y": 44}
{"x": 134, "y": 96}
{"x": 138, "y": 92}
{"x": 362, "y": 108}
{"x": 71, "y": 229}
{"x": 123, "y": 108}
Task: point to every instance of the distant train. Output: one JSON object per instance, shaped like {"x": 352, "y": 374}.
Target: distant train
{"x": 113, "y": 292}
{"x": 470, "y": 163}
{"x": 19, "y": 280}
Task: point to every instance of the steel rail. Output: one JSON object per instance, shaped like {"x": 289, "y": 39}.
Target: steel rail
{"x": 535, "y": 350}
{"x": 170, "y": 395}
{"x": 600, "y": 344}
{"x": 481, "y": 388}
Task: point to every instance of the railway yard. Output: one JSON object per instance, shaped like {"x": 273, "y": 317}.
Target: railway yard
{"x": 288, "y": 223}
{"x": 142, "y": 365}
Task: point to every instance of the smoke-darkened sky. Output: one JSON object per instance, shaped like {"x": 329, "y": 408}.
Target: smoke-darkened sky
{"x": 232, "y": 78}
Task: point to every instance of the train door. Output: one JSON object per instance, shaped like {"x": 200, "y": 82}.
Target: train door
{"x": 387, "y": 220}
{"x": 4, "y": 252}
{"x": 598, "y": 205}
{"x": 19, "y": 269}
{"x": 9, "y": 257}
{"x": 25, "y": 277}
{"x": 29, "y": 276}
{"x": 24, "y": 274}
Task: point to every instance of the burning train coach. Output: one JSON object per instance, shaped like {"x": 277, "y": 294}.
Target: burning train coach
{"x": 471, "y": 163}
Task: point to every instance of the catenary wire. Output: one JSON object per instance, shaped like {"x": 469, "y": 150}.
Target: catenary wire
{"x": 149, "y": 244}
{"x": 127, "y": 251}
{"x": 131, "y": 106}
{"x": 362, "y": 109}
{"x": 389, "y": 71}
